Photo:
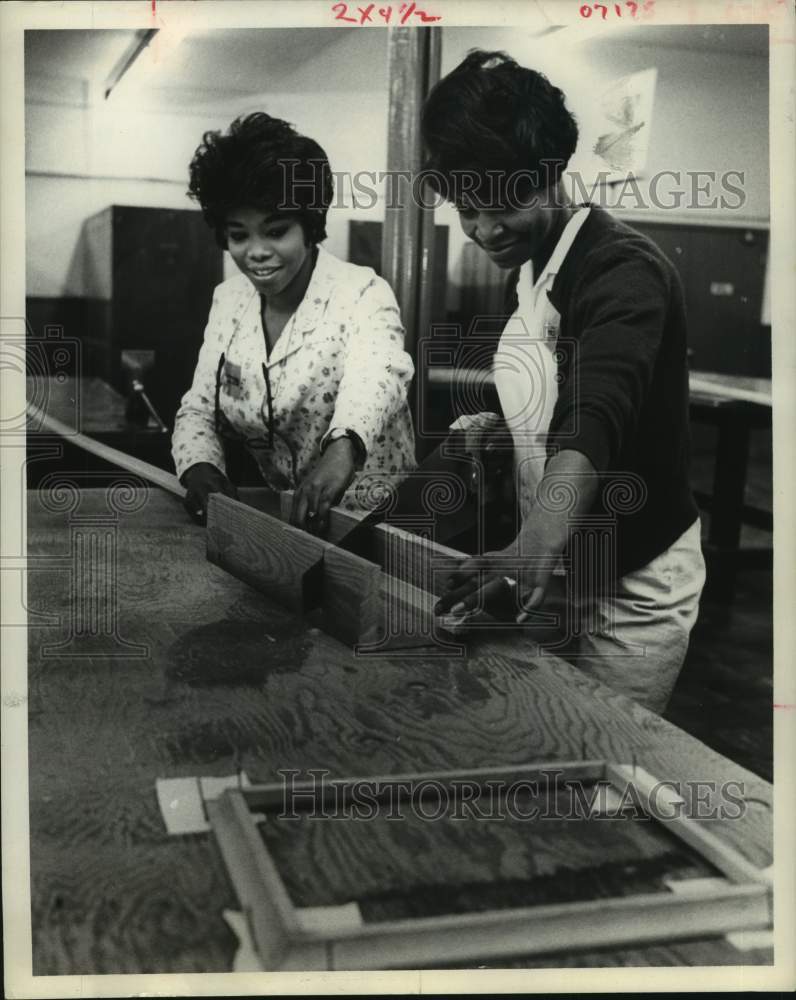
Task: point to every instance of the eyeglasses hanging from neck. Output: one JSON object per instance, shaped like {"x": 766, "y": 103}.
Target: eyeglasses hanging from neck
{"x": 222, "y": 425}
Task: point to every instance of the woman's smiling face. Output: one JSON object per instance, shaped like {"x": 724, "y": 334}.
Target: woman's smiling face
{"x": 510, "y": 235}
{"x": 269, "y": 248}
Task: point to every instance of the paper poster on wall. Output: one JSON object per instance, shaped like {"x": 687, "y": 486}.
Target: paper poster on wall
{"x": 621, "y": 136}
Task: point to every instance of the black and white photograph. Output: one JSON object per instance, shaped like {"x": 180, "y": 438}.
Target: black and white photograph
{"x": 397, "y": 507}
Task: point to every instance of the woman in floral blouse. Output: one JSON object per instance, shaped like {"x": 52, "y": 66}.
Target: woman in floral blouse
{"x": 303, "y": 355}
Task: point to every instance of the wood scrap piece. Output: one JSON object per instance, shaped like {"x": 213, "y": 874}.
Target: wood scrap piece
{"x": 281, "y": 561}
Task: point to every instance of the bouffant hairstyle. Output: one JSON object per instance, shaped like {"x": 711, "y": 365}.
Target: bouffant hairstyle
{"x": 491, "y": 116}
{"x": 262, "y": 162}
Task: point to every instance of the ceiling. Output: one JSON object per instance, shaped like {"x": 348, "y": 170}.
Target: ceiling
{"x": 737, "y": 39}
{"x": 213, "y": 65}
{"x": 221, "y": 65}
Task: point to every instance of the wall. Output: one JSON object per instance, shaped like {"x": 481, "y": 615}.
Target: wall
{"x": 83, "y": 154}
{"x": 710, "y": 112}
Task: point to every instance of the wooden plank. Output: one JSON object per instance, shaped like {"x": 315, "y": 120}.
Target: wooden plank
{"x": 272, "y": 796}
{"x": 281, "y": 561}
{"x": 266, "y": 904}
{"x": 420, "y": 561}
{"x": 352, "y": 606}
{"x": 707, "y": 844}
{"x": 340, "y": 521}
{"x": 407, "y": 556}
{"x": 603, "y": 923}
{"x": 296, "y": 568}
{"x": 151, "y": 473}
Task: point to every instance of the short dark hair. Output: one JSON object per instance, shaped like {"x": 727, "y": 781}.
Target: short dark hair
{"x": 264, "y": 163}
{"x": 492, "y": 115}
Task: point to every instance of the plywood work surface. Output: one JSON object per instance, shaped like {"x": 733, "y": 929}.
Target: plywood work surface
{"x": 178, "y": 669}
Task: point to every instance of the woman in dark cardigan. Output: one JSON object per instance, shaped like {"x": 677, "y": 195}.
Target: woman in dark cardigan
{"x": 592, "y": 378}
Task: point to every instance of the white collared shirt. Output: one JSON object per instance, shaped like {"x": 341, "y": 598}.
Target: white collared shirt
{"x": 339, "y": 362}
{"x": 525, "y": 365}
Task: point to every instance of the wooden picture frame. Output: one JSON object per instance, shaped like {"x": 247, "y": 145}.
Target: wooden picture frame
{"x": 284, "y": 941}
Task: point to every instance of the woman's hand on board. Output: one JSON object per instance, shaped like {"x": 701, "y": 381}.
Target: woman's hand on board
{"x": 200, "y": 481}
{"x": 497, "y": 584}
{"x": 323, "y": 486}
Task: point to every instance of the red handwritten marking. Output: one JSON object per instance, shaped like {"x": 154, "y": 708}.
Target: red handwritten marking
{"x": 587, "y": 9}
{"x": 341, "y": 15}
{"x": 426, "y": 18}
{"x": 784, "y": 705}
{"x": 407, "y": 10}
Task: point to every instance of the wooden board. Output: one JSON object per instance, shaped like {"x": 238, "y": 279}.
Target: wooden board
{"x": 405, "y": 555}
{"x": 295, "y": 568}
{"x": 411, "y": 567}
{"x": 351, "y": 597}
{"x": 46, "y": 424}
{"x": 282, "y": 562}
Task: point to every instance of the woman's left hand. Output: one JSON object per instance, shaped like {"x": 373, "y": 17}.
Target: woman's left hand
{"x": 510, "y": 582}
{"x": 494, "y": 583}
{"x": 323, "y": 486}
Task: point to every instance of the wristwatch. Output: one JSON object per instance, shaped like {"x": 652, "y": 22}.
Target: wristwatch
{"x": 345, "y": 432}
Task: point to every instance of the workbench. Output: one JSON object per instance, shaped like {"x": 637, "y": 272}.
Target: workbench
{"x": 735, "y": 405}
{"x": 175, "y": 668}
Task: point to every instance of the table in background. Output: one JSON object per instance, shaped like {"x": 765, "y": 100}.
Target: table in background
{"x": 735, "y": 405}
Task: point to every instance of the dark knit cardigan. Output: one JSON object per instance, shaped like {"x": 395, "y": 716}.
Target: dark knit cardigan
{"x": 623, "y": 394}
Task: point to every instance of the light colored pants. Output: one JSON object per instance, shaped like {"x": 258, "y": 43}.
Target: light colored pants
{"x": 638, "y": 633}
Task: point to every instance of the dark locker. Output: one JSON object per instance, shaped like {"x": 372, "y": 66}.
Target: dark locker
{"x": 723, "y": 273}
{"x": 155, "y": 270}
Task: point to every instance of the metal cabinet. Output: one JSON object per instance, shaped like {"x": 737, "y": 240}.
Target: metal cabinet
{"x": 151, "y": 274}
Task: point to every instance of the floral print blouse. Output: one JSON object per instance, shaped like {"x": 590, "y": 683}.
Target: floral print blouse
{"x": 339, "y": 362}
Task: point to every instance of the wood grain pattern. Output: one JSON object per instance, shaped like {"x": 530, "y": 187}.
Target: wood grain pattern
{"x": 277, "y": 559}
{"x": 232, "y": 677}
{"x": 295, "y": 567}
{"x": 420, "y": 561}
{"x": 407, "y": 556}
{"x": 352, "y": 607}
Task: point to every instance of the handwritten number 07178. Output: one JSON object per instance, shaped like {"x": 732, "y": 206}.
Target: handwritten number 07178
{"x": 589, "y": 8}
